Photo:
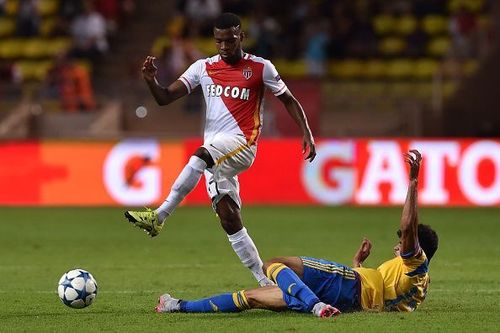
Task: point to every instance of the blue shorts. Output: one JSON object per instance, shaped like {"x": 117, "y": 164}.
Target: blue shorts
{"x": 333, "y": 283}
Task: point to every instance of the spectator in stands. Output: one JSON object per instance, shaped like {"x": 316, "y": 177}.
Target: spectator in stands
{"x": 110, "y": 10}
{"x": 176, "y": 58}
{"x": 341, "y": 30}
{"x": 127, "y": 9}
{"x": 316, "y": 48}
{"x": 67, "y": 12}
{"x": 70, "y": 82}
{"x": 2, "y": 7}
{"x": 463, "y": 30}
{"x": 69, "y": 9}
{"x": 265, "y": 30}
{"x": 28, "y": 19}
{"x": 201, "y": 14}
{"x": 9, "y": 72}
{"x": 178, "y": 55}
{"x": 89, "y": 34}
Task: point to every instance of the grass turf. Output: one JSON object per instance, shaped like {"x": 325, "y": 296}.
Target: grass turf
{"x": 192, "y": 258}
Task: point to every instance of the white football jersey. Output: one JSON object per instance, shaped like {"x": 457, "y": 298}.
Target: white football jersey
{"x": 233, "y": 93}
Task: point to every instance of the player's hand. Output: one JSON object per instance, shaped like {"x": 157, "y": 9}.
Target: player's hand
{"x": 363, "y": 252}
{"x": 149, "y": 68}
{"x": 308, "y": 146}
{"x": 414, "y": 163}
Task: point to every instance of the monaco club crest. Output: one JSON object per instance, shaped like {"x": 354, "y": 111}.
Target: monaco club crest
{"x": 247, "y": 72}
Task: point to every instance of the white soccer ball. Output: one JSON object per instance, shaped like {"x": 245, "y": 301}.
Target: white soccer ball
{"x": 77, "y": 288}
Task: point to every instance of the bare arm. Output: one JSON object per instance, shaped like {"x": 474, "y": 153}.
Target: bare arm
{"x": 363, "y": 253}
{"x": 409, "y": 217}
{"x": 297, "y": 113}
{"x": 162, "y": 95}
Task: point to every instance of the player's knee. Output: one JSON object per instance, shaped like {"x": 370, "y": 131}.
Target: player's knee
{"x": 251, "y": 298}
{"x": 205, "y": 156}
{"x": 269, "y": 262}
{"x": 230, "y": 218}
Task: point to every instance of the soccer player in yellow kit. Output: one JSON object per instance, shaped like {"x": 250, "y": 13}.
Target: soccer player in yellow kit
{"x": 326, "y": 288}
{"x": 400, "y": 284}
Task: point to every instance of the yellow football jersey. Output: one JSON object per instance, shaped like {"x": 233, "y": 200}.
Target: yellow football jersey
{"x": 372, "y": 289}
{"x": 405, "y": 281}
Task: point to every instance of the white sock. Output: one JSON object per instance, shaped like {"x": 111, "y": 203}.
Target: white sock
{"x": 316, "y": 310}
{"x": 247, "y": 252}
{"x": 185, "y": 183}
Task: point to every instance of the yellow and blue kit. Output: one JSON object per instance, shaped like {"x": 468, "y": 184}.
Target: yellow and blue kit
{"x": 322, "y": 280}
{"x": 406, "y": 280}
{"x": 399, "y": 284}
{"x": 372, "y": 289}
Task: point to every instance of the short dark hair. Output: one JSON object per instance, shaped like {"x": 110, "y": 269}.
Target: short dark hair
{"x": 226, "y": 21}
{"x": 428, "y": 240}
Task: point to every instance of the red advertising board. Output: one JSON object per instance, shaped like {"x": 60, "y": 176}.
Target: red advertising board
{"x": 131, "y": 172}
{"x": 370, "y": 172}
{"x": 357, "y": 172}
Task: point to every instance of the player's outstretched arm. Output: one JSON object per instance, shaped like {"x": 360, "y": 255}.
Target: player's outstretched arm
{"x": 363, "y": 252}
{"x": 162, "y": 95}
{"x": 297, "y": 113}
{"x": 409, "y": 218}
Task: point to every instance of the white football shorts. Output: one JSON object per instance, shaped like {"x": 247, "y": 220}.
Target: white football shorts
{"x": 231, "y": 156}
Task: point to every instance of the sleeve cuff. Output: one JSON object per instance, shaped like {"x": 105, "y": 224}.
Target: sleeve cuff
{"x": 411, "y": 254}
{"x": 281, "y": 91}
{"x": 186, "y": 83}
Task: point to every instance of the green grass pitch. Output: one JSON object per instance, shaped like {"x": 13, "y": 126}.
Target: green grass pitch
{"x": 192, "y": 258}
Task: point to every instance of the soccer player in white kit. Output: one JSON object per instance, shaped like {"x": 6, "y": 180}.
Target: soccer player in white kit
{"x": 233, "y": 84}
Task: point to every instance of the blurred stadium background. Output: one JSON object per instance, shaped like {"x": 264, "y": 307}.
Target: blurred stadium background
{"x": 397, "y": 72}
{"x": 78, "y": 127}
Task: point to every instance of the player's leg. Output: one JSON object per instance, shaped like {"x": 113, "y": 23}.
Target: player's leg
{"x": 292, "y": 286}
{"x": 232, "y": 156}
{"x": 152, "y": 220}
{"x": 269, "y": 297}
{"x": 294, "y": 263}
{"x": 230, "y": 218}
{"x": 273, "y": 298}
{"x": 186, "y": 181}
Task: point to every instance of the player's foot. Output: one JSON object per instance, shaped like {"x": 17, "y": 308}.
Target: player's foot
{"x": 147, "y": 220}
{"x": 167, "y": 303}
{"x": 323, "y": 310}
{"x": 266, "y": 282}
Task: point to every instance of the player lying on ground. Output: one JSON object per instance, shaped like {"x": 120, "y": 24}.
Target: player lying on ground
{"x": 326, "y": 288}
{"x": 233, "y": 84}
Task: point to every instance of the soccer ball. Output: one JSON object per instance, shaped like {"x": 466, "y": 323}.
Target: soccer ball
{"x": 77, "y": 288}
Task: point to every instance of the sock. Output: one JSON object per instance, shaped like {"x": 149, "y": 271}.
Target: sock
{"x": 316, "y": 310}
{"x": 234, "y": 302}
{"x": 247, "y": 252}
{"x": 291, "y": 284}
{"x": 185, "y": 183}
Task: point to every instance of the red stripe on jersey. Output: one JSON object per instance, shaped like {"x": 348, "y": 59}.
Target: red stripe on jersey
{"x": 246, "y": 74}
